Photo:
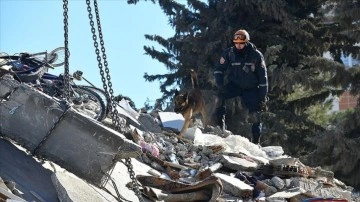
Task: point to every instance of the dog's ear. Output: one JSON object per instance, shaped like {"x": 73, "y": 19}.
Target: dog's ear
{"x": 176, "y": 92}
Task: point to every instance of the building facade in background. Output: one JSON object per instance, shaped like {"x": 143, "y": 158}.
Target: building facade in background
{"x": 346, "y": 100}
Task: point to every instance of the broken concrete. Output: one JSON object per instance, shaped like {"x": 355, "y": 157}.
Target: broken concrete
{"x": 235, "y": 186}
{"x": 189, "y": 168}
{"x": 236, "y": 163}
{"x": 78, "y": 143}
{"x": 6, "y": 196}
{"x": 7, "y": 190}
{"x": 48, "y": 182}
{"x": 315, "y": 188}
{"x": 71, "y": 188}
{"x": 28, "y": 174}
{"x": 148, "y": 123}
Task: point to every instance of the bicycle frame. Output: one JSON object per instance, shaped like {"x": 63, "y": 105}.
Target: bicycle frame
{"x": 50, "y": 59}
{"x": 60, "y": 79}
{"x": 32, "y": 56}
{"x": 31, "y": 70}
{"x": 79, "y": 95}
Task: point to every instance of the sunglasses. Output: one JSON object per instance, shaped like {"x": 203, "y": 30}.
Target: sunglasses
{"x": 239, "y": 36}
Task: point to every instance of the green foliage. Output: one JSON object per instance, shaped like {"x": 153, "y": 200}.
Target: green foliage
{"x": 147, "y": 105}
{"x": 293, "y": 35}
{"x": 320, "y": 114}
{"x": 341, "y": 117}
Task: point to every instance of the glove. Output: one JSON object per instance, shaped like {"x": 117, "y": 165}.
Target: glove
{"x": 263, "y": 106}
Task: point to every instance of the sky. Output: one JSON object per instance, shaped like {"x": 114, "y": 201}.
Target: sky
{"x": 37, "y": 25}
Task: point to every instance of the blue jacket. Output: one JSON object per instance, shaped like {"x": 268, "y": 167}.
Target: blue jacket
{"x": 246, "y": 69}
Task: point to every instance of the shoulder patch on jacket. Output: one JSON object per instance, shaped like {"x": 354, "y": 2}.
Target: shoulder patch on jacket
{"x": 253, "y": 67}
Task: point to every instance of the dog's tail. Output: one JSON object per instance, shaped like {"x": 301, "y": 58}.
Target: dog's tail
{"x": 194, "y": 79}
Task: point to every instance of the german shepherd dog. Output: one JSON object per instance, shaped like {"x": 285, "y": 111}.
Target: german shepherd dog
{"x": 190, "y": 103}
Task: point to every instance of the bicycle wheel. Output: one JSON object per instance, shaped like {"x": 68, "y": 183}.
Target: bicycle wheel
{"x": 102, "y": 94}
{"x": 56, "y": 57}
{"x": 88, "y": 102}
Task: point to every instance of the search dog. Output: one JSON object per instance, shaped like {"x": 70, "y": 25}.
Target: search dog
{"x": 190, "y": 103}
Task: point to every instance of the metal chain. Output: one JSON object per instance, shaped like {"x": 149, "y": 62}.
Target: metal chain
{"x": 115, "y": 117}
{"x": 120, "y": 197}
{"x": 93, "y": 30}
{"x": 110, "y": 93}
{"x": 67, "y": 107}
{"x": 66, "y": 78}
{"x": 134, "y": 183}
{"x": 67, "y": 52}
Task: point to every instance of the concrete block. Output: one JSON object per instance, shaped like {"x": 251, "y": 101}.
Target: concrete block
{"x": 278, "y": 182}
{"x": 78, "y": 143}
{"x": 172, "y": 120}
{"x": 148, "y": 123}
{"x": 6, "y": 195}
{"x": 236, "y": 163}
{"x": 235, "y": 186}
{"x": 28, "y": 174}
{"x": 70, "y": 188}
{"x": 284, "y": 195}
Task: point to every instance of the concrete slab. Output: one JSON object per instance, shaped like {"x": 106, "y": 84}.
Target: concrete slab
{"x": 28, "y": 174}
{"x": 121, "y": 178}
{"x": 236, "y": 163}
{"x": 235, "y": 186}
{"x": 285, "y": 194}
{"x": 71, "y": 188}
{"x": 126, "y": 106}
{"x": 8, "y": 196}
{"x": 80, "y": 144}
{"x": 172, "y": 120}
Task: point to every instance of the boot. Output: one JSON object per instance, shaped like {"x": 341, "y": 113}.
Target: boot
{"x": 255, "y": 139}
{"x": 223, "y": 125}
{"x": 220, "y": 115}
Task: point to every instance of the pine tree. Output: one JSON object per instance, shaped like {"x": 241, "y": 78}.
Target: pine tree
{"x": 347, "y": 17}
{"x": 293, "y": 35}
{"x": 344, "y": 132}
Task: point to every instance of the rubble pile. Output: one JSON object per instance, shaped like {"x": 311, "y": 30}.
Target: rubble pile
{"x": 206, "y": 164}
{"x": 218, "y": 166}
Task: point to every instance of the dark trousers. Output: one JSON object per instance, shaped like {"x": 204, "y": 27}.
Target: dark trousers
{"x": 249, "y": 99}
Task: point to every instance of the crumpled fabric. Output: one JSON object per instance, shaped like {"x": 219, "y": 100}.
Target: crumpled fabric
{"x": 149, "y": 147}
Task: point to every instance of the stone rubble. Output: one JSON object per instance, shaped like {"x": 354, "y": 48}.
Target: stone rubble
{"x": 270, "y": 175}
{"x": 209, "y": 165}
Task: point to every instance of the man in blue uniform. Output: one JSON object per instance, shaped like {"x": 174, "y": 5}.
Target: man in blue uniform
{"x": 247, "y": 78}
